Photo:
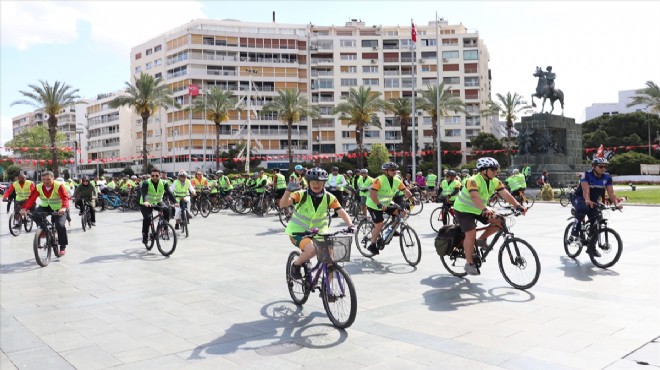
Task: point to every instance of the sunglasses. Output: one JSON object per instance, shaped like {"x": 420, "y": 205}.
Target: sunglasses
{"x": 155, "y": 175}
{"x": 601, "y": 166}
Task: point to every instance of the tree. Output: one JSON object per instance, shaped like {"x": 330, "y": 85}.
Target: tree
{"x": 232, "y": 162}
{"x": 146, "y": 95}
{"x": 12, "y": 171}
{"x": 359, "y": 109}
{"x": 509, "y": 107}
{"x": 216, "y": 103}
{"x": 629, "y": 129}
{"x": 487, "y": 141}
{"x": 438, "y": 110}
{"x": 377, "y": 156}
{"x": 36, "y": 141}
{"x": 648, "y": 96}
{"x": 290, "y": 106}
{"x": 629, "y": 163}
{"x": 52, "y": 99}
{"x": 402, "y": 109}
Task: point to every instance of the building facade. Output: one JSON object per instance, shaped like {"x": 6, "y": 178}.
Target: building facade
{"x": 607, "y": 109}
{"x": 255, "y": 60}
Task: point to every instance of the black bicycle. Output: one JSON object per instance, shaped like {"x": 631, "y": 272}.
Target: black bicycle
{"x": 86, "y": 217}
{"x": 184, "y": 217}
{"x": 17, "y": 221}
{"x": 335, "y": 284}
{"x": 45, "y": 241}
{"x": 595, "y": 234}
{"x": 517, "y": 259}
{"x": 161, "y": 233}
{"x": 443, "y": 215}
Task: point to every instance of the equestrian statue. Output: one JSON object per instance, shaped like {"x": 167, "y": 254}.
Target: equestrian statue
{"x": 546, "y": 89}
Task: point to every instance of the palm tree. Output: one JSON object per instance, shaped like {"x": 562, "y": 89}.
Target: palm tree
{"x": 216, "y": 104}
{"x": 509, "y": 107}
{"x": 290, "y": 106}
{"x": 649, "y": 96}
{"x": 402, "y": 108}
{"x": 360, "y": 110}
{"x": 429, "y": 103}
{"x": 52, "y": 99}
{"x": 145, "y": 96}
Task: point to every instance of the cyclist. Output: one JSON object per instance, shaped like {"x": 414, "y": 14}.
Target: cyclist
{"x": 260, "y": 182}
{"x": 383, "y": 190}
{"x": 593, "y": 185}
{"x": 335, "y": 186}
{"x": 53, "y": 197}
{"x": 20, "y": 191}
{"x": 517, "y": 184}
{"x": 431, "y": 182}
{"x": 364, "y": 185}
{"x": 151, "y": 194}
{"x": 298, "y": 174}
{"x": 450, "y": 187}
{"x": 86, "y": 192}
{"x": 311, "y": 207}
{"x": 470, "y": 206}
{"x": 180, "y": 188}
{"x": 280, "y": 184}
{"x": 224, "y": 184}
{"x": 200, "y": 183}
{"x": 465, "y": 175}
{"x": 527, "y": 172}
{"x": 69, "y": 190}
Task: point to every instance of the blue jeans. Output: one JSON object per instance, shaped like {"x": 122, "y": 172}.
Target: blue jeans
{"x": 581, "y": 210}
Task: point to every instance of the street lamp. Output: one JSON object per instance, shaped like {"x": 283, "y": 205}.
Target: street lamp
{"x": 79, "y": 131}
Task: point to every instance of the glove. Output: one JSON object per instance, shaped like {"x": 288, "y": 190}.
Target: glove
{"x": 350, "y": 230}
{"x": 292, "y": 186}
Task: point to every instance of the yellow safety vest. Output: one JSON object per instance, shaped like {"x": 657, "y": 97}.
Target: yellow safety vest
{"x": 154, "y": 195}
{"x": 22, "y": 193}
{"x": 306, "y": 217}
{"x": 364, "y": 184}
{"x": 464, "y": 201}
{"x": 385, "y": 193}
{"x": 448, "y": 188}
{"x": 181, "y": 190}
{"x": 54, "y": 202}
{"x": 199, "y": 185}
{"x": 281, "y": 181}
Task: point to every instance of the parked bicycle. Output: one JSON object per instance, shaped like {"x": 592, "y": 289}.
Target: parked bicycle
{"x": 595, "y": 234}
{"x": 411, "y": 247}
{"x": 566, "y": 195}
{"x": 45, "y": 241}
{"x": 443, "y": 215}
{"x": 327, "y": 276}
{"x": 17, "y": 221}
{"x": 161, "y": 233}
{"x": 517, "y": 259}
{"x": 109, "y": 201}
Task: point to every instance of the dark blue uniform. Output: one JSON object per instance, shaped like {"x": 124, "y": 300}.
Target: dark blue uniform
{"x": 597, "y": 188}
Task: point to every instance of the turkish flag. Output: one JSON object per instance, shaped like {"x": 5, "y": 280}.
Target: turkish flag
{"x": 414, "y": 32}
{"x": 193, "y": 90}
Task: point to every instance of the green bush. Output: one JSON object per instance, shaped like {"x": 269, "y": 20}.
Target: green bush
{"x": 628, "y": 163}
{"x": 377, "y": 156}
{"x": 547, "y": 192}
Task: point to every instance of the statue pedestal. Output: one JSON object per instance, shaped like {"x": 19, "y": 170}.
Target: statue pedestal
{"x": 552, "y": 143}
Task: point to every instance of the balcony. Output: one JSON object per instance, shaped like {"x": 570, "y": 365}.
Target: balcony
{"x": 322, "y": 73}
{"x": 316, "y": 99}
{"x": 391, "y": 60}
{"x": 322, "y": 60}
{"x": 220, "y": 73}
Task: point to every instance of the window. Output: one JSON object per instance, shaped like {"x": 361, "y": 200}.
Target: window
{"x": 406, "y": 43}
{"x": 453, "y": 133}
{"x": 348, "y": 56}
{"x": 372, "y": 133}
{"x": 450, "y": 54}
{"x": 450, "y": 67}
{"x": 148, "y": 52}
{"x": 349, "y": 81}
{"x": 346, "y": 134}
{"x": 349, "y": 69}
{"x": 158, "y": 62}
{"x": 429, "y": 81}
{"x": 347, "y": 43}
{"x": 369, "y": 69}
{"x": 391, "y": 82}
{"x": 428, "y": 42}
{"x": 369, "y": 43}
{"x": 158, "y": 75}
{"x": 138, "y": 69}
{"x": 470, "y": 55}
{"x": 451, "y": 80}
{"x": 429, "y": 54}
{"x": 426, "y": 68}
{"x": 426, "y": 120}
{"x": 472, "y": 81}
{"x": 370, "y": 81}
{"x": 453, "y": 120}
{"x": 325, "y": 83}
{"x": 392, "y": 135}
{"x": 157, "y": 48}
{"x": 150, "y": 65}
{"x": 138, "y": 56}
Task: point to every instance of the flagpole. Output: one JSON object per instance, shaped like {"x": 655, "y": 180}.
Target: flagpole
{"x": 190, "y": 131}
{"x": 437, "y": 106}
{"x": 205, "y": 123}
{"x": 412, "y": 115}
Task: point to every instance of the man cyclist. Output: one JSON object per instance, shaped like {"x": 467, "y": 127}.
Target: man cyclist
{"x": 383, "y": 190}
{"x": 465, "y": 175}
{"x": 225, "y": 186}
{"x": 450, "y": 187}
{"x": 517, "y": 184}
{"x": 69, "y": 190}
{"x": 470, "y": 206}
{"x": 21, "y": 190}
{"x": 180, "y": 188}
{"x": 52, "y": 197}
{"x": 86, "y": 192}
{"x": 431, "y": 182}
{"x": 311, "y": 207}
{"x": 298, "y": 175}
{"x": 335, "y": 186}
{"x": 593, "y": 186}
{"x": 280, "y": 184}
{"x": 364, "y": 186}
{"x": 151, "y": 195}
{"x": 200, "y": 183}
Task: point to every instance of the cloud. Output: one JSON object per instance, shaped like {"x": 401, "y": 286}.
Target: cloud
{"x": 113, "y": 25}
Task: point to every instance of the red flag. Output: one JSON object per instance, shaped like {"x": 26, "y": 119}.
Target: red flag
{"x": 414, "y": 32}
{"x": 193, "y": 90}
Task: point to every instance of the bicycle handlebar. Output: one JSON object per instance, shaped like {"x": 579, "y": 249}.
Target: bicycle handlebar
{"x": 315, "y": 232}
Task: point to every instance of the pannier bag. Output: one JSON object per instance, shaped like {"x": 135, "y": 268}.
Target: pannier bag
{"x": 448, "y": 237}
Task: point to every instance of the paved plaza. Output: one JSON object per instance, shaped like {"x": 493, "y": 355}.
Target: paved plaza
{"x": 221, "y": 302}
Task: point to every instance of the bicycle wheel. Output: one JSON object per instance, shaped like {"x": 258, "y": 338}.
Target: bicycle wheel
{"x": 15, "y": 231}
{"x": 205, "y": 208}
{"x": 609, "y": 245}
{"x": 564, "y": 200}
{"x": 41, "y": 247}
{"x": 519, "y": 263}
{"x": 183, "y": 223}
{"x": 84, "y": 218}
{"x": 411, "y": 247}
{"x": 215, "y": 204}
{"x": 529, "y": 200}
{"x": 572, "y": 248}
{"x": 339, "y": 298}
{"x": 436, "y": 219}
{"x": 418, "y": 206}
{"x": 110, "y": 204}
{"x": 298, "y": 289}
{"x": 454, "y": 262}
{"x": 284, "y": 215}
{"x": 194, "y": 208}
{"x": 28, "y": 223}
{"x": 363, "y": 237}
{"x": 165, "y": 239}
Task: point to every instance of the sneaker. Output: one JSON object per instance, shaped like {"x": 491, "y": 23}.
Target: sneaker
{"x": 593, "y": 252}
{"x": 93, "y": 223}
{"x": 373, "y": 249}
{"x": 176, "y": 227}
{"x": 295, "y": 272}
{"x": 144, "y": 239}
{"x": 471, "y": 269}
{"x": 62, "y": 252}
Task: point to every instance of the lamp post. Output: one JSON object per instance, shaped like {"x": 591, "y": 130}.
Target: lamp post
{"x": 79, "y": 131}
{"x": 649, "y": 133}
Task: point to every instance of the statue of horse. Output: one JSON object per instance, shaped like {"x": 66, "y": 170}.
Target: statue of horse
{"x": 543, "y": 91}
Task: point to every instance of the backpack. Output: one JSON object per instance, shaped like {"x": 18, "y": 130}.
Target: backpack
{"x": 448, "y": 237}
{"x": 539, "y": 181}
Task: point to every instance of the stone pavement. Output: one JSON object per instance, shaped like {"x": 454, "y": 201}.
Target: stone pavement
{"x": 220, "y": 301}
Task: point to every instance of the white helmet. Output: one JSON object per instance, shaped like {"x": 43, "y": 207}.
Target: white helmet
{"x": 487, "y": 162}
{"x": 59, "y": 179}
{"x": 183, "y": 173}
{"x": 219, "y": 172}
{"x": 515, "y": 171}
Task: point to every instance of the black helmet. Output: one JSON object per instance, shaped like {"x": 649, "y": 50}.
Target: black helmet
{"x": 389, "y": 166}
{"x": 84, "y": 178}
{"x": 316, "y": 174}
{"x": 451, "y": 173}
{"x": 334, "y": 168}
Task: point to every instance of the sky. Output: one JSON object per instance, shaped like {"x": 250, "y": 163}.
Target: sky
{"x": 596, "y": 48}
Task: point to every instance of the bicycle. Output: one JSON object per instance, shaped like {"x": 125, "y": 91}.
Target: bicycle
{"x": 86, "y": 217}
{"x": 184, "y": 217}
{"x": 416, "y": 203}
{"x": 327, "y": 276}
{"x": 596, "y": 234}
{"x": 411, "y": 247}
{"x": 443, "y": 215}
{"x": 109, "y": 201}
{"x": 566, "y": 195}
{"x": 45, "y": 241}
{"x": 514, "y": 253}
{"x": 17, "y": 221}
{"x": 161, "y": 233}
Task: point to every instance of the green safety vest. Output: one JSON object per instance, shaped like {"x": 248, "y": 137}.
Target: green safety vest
{"x": 22, "y": 193}
{"x": 225, "y": 184}
{"x": 464, "y": 202}
{"x": 431, "y": 180}
{"x": 260, "y": 188}
{"x": 128, "y": 184}
{"x": 385, "y": 193}
{"x": 340, "y": 180}
{"x": 112, "y": 185}
{"x": 517, "y": 182}
{"x": 364, "y": 184}
{"x": 154, "y": 195}
{"x": 213, "y": 185}
{"x": 526, "y": 171}
{"x": 54, "y": 202}
{"x": 281, "y": 182}
{"x": 448, "y": 188}
{"x": 300, "y": 179}
{"x": 181, "y": 190}
{"x": 199, "y": 185}
{"x": 306, "y": 217}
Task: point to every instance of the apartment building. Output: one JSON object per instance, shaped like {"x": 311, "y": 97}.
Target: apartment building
{"x": 323, "y": 62}
{"x": 620, "y": 107}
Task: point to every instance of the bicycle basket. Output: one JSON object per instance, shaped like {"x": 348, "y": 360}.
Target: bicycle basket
{"x": 448, "y": 237}
{"x": 334, "y": 249}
